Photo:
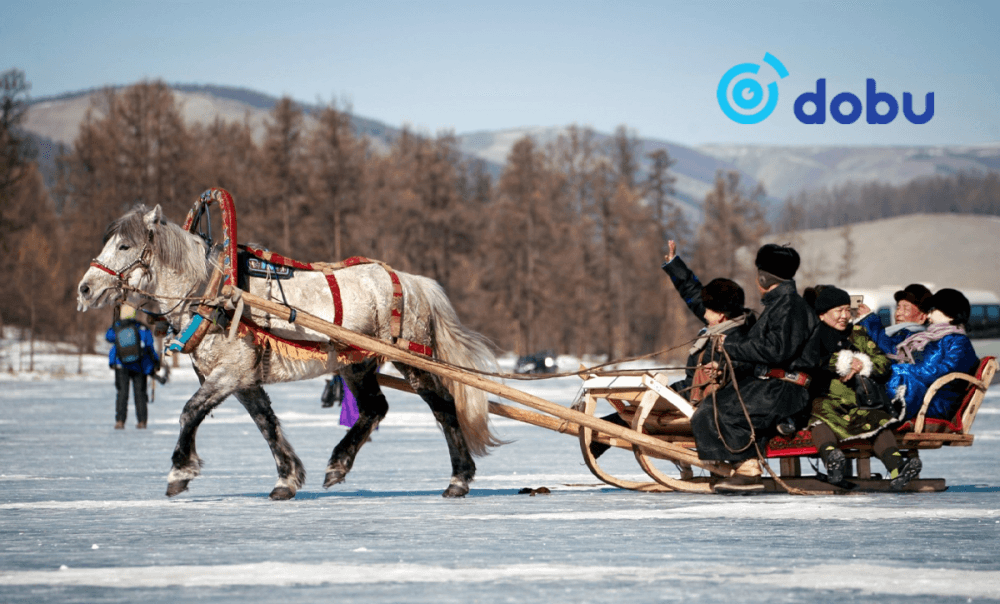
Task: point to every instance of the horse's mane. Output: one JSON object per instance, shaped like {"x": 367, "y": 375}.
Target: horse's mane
{"x": 171, "y": 245}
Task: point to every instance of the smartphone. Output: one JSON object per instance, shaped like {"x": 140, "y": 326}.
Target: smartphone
{"x": 856, "y": 300}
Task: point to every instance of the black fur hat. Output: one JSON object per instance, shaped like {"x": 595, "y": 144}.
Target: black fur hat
{"x": 779, "y": 260}
{"x": 723, "y": 296}
{"x": 827, "y": 297}
{"x": 953, "y": 304}
{"x": 916, "y": 294}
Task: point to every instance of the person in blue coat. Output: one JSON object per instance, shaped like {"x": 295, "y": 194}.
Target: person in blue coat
{"x": 911, "y": 317}
{"x": 924, "y": 357}
{"x": 131, "y": 371}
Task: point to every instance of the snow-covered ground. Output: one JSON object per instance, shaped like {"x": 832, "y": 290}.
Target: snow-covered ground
{"x": 83, "y": 517}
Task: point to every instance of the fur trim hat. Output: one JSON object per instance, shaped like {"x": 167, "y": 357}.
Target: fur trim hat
{"x": 953, "y": 304}
{"x": 723, "y": 296}
{"x": 828, "y": 296}
{"x": 779, "y": 260}
{"x": 916, "y": 294}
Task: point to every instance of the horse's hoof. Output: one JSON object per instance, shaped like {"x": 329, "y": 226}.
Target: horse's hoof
{"x": 177, "y": 487}
{"x": 282, "y": 494}
{"x": 455, "y": 490}
{"x": 334, "y": 477}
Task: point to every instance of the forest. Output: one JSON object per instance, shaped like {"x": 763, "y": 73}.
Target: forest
{"x": 561, "y": 252}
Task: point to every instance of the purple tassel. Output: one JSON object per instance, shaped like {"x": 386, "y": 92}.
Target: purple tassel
{"x": 348, "y": 408}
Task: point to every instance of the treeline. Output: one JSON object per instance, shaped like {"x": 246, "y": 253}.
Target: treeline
{"x": 561, "y": 252}
{"x": 962, "y": 193}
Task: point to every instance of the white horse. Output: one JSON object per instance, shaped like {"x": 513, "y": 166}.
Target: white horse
{"x": 144, "y": 252}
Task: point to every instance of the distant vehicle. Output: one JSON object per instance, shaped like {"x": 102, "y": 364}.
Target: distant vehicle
{"x": 984, "y": 319}
{"x": 540, "y": 362}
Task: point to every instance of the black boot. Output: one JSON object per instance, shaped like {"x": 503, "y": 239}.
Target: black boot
{"x": 907, "y": 472}
{"x": 836, "y": 462}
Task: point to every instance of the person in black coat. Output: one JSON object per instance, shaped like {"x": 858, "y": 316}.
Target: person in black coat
{"x": 719, "y": 305}
{"x": 775, "y": 390}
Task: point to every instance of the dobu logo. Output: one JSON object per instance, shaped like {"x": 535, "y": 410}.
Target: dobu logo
{"x": 872, "y": 100}
{"x": 747, "y": 93}
{"x": 745, "y": 101}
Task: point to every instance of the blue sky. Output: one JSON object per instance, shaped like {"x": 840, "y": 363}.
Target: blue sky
{"x": 467, "y": 66}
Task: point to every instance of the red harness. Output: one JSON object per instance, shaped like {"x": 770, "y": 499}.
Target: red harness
{"x": 312, "y": 349}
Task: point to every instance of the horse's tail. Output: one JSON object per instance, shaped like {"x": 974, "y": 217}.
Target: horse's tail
{"x": 458, "y": 345}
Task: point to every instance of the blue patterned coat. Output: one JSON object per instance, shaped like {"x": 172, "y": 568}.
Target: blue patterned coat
{"x": 951, "y": 353}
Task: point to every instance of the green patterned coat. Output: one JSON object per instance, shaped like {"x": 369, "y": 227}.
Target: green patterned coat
{"x": 835, "y": 403}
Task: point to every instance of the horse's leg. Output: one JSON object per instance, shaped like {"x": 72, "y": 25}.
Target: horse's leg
{"x": 372, "y": 407}
{"x": 291, "y": 473}
{"x": 186, "y": 463}
{"x": 442, "y": 404}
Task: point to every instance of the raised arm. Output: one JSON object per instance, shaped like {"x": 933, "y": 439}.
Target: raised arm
{"x": 686, "y": 282}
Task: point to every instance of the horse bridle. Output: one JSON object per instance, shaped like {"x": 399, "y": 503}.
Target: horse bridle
{"x": 141, "y": 261}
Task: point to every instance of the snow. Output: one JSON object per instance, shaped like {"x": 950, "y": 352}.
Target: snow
{"x": 83, "y": 516}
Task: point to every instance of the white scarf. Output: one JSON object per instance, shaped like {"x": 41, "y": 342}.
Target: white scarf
{"x": 708, "y": 332}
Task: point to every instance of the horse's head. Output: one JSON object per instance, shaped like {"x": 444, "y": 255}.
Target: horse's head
{"x": 136, "y": 246}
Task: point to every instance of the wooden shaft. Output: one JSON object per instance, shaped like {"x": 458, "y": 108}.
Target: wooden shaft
{"x": 501, "y": 410}
{"x": 345, "y": 336}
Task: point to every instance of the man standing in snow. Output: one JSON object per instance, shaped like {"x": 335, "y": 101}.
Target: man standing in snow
{"x": 133, "y": 357}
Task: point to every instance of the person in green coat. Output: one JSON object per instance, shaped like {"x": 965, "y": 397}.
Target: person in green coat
{"x": 851, "y": 363}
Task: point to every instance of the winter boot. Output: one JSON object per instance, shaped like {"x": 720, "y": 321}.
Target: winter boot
{"x": 746, "y": 478}
{"x": 836, "y": 463}
{"x": 899, "y": 478}
{"x": 119, "y": 425}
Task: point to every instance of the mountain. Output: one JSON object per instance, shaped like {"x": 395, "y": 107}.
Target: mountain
{"x": 58, "y": 118}
{"x": 783, "y": 170}
{"x": 55, "y": 121}
{"x": 694, "y": 170}
{"x": 788, "y": 170}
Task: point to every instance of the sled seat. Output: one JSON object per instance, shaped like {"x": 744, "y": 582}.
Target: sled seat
{"x": 670, "y": 415}
{"x": 920, "y": 433}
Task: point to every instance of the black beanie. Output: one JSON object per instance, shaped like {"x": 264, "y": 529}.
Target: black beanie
{"x": 828, "y": 296}
{"x": 723, "y": 296}
{"x": 779, "y": 260}
{"x": 916, "y": 294}
{"x": 952, "y": 303}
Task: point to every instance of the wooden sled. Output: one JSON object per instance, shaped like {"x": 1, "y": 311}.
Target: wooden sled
{"x": 646, "y": 401}
{"x": 658, "y": 419}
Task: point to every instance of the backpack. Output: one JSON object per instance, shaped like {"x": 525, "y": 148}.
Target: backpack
{"x": 128, "y": 344}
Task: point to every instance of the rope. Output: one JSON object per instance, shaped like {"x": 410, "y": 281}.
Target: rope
{"x": 753, "y": 434}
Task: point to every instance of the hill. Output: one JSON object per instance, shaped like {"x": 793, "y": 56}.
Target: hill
{"x": 783, "y": 170}
{"x": 940, "y": 250}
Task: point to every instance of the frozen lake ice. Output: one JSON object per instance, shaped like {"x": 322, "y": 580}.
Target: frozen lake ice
{"x": 83, "y": 516}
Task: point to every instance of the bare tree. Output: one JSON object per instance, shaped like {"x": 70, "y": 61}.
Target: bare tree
{"x": 283, "y": 172}
{"x": 733, "y": 219}
{"x": 337, "y": 175}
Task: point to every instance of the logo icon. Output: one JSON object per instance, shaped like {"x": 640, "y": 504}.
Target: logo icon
{"x": 740, "y": 87}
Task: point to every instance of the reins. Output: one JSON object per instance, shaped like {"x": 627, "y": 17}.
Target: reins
{"x": 753, "y": 433}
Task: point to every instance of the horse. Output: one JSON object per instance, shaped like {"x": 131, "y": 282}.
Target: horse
{"x": 152, "y": 263}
